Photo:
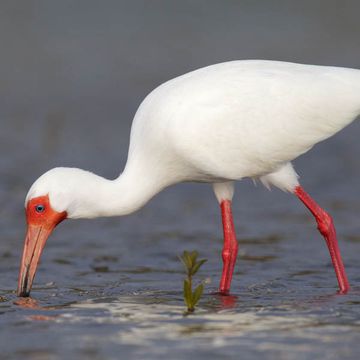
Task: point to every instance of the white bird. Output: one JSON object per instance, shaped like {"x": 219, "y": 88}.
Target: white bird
{"x": 218, "y": 124}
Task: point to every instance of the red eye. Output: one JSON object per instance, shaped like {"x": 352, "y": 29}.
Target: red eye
{"x": 39, "y": 208}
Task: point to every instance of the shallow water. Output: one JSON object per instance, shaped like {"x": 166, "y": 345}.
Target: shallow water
{"x": 112, "y": 288}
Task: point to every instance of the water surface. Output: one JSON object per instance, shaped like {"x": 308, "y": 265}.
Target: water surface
{"x": 73, "y": 74}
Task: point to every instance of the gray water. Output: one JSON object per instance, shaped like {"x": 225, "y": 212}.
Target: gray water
{"x": 72, "y": 75}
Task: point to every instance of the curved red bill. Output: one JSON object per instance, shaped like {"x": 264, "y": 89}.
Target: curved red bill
{"x": 35, "y": 241}
{"x": 41, "y": 219}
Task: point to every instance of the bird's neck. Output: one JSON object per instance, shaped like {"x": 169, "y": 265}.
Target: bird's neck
{"x": 129, "y": 192}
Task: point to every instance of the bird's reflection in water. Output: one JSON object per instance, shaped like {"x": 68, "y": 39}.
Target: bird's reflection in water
{"x": 228, "y": 301}
{"x": 224, "y": 302}
{"x": 30, "y": 303}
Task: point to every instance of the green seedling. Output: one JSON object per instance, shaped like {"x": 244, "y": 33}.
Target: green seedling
{"x": 192, "y": 266}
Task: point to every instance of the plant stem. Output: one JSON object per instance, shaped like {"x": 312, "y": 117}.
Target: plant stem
{"x": 190, "y": 309}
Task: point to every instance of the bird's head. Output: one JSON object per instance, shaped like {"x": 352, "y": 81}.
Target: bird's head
{"x": 54, "y": 197}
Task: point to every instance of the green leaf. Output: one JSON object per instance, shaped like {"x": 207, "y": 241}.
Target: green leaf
{"x": 193, "y": 256}
{"x": 196, "y": 267}
{"x": 187, "y": 293}
{"x": 184, "y": 263}
{"x": 189, "y": 260}
{"x": 186, "y": 260}
{"x": 197, "y": 294}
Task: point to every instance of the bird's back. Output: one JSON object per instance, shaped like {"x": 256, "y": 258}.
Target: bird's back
{"x": 242, "y": 118}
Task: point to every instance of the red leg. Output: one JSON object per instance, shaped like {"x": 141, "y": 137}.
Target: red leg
{"x": 230, "y": 249}
{"x": 327, "y": 229}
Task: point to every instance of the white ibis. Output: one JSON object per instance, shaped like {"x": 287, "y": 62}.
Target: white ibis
{"x": 218, "y": 124}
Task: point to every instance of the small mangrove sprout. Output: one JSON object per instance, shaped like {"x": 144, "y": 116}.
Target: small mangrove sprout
{"x": 189, "y": 259}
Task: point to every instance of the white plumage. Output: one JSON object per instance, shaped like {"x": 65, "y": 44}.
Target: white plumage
{"x": 217, "y": 124}
{"x": 243, "y": 118}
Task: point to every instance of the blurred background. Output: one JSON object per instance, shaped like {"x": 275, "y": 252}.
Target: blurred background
{"x": 72, "y": 74}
